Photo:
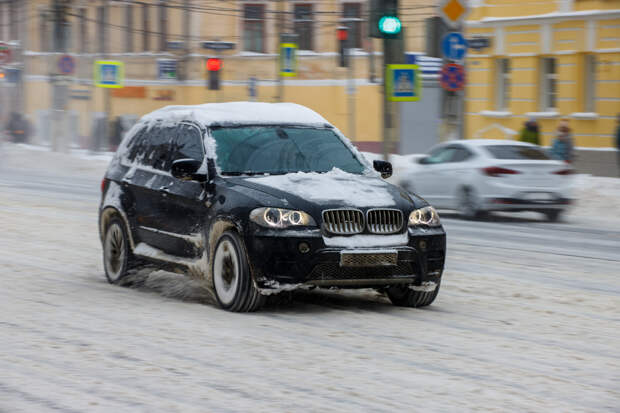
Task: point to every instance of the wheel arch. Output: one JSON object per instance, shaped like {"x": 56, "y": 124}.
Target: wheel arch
{"x": 106, "y": 215}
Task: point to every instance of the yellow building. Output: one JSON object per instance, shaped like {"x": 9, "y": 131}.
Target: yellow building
{"x": 148, "y": 35}
{"x": 547, "y": 60}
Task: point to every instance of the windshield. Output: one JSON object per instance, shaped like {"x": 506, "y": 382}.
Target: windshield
{"x": 516, "y": 152}
{"x": 280, "y": 150}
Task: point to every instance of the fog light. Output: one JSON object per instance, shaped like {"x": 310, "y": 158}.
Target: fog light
{"x": 304, "y": 248}
{"x": 422, "y": 245}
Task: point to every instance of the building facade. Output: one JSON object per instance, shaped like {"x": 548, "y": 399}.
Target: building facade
{"x": 160, "y": 44}
{"x": 546, "y": 60}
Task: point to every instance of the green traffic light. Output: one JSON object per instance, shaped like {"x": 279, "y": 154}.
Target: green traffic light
{"x": 389, "y": 25}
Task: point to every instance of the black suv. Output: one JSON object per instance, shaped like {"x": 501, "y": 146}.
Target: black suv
{"x": 259, "y": 198}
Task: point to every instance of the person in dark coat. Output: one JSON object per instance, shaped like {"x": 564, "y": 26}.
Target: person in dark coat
{"x": 530, "y": 132}
{"x": 18, "y": 127}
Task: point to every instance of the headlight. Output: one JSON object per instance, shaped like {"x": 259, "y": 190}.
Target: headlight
{"x": 281, "y": 218}
{"x": 426, "y": 216}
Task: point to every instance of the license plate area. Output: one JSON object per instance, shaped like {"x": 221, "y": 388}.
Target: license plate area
{"x": 378, "y": 258}
{"x": 539, "y": 196}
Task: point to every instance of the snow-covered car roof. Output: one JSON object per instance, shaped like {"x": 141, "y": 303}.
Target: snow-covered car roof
{"x": 239, "y": 113}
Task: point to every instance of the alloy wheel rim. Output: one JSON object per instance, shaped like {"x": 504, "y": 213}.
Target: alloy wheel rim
{"x": 114, "y": 252}
{"x": 226, "y": 272}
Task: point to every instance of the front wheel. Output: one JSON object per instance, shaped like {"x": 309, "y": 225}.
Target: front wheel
{"x": 469, "y": 207}
{"x": 553, "y": 215}
{"x": 234, "y": 287}
{"x": 405, "y": 296}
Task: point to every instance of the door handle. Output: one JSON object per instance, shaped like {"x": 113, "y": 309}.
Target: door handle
{"x": 164, "y": 190}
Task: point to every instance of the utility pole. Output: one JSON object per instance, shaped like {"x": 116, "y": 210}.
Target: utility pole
{"x": 59, "y": 90}
{"x": 351, "y": 88}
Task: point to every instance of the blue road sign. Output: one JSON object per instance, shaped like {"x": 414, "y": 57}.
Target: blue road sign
{"x": 402, "y": 83}
{"x": 109, "y": 73}
{"x": 454, "y": 46}
{"x": 288, "y": 59}
{"x": 66, "y": 64}
{"x": 452, "y": 77}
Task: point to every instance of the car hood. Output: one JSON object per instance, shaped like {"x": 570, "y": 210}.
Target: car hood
{"x": 335, "y": 189}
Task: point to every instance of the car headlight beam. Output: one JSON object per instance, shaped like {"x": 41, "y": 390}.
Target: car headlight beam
{"x": 426, "y": 216}
{"x": 281, "y": 218}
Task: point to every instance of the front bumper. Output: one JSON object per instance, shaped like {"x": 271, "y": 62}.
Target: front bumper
{"x": 277, "y": 261}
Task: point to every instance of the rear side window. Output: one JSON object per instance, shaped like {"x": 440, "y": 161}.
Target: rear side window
{"x": 516, "y": 152}
{"x": 136, "y": 145}
{"x": 187, "y": 143}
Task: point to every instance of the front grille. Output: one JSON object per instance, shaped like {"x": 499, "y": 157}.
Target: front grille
{"x": 384, "y": 221}
{"x": 368, "y": 260}
{"x": 343, "y": 221}
{"x": 332, "y": 271}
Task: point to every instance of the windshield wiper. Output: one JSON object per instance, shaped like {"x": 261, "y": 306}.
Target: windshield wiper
{"x": 238, "y": 173}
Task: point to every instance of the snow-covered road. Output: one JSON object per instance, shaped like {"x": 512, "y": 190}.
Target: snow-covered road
{"x": 527, "y": 320}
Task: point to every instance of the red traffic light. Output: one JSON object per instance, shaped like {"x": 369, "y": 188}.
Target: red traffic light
{"x": 343, "y": 33}
{"x": 214, "y": 64}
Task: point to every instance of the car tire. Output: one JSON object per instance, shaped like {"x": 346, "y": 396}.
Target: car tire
{"x": 233, "y": 285}
{"x": 117, "y": 256}
{"x": 553, "y": 215}
{"x": 468, "y": 205}
{"x": 403, "y": 296}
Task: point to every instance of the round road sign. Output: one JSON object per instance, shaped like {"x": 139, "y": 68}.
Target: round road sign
{"x": 5, "y": 53}
{"x": 66, "y": 64}
{"x": 452, "y": 77}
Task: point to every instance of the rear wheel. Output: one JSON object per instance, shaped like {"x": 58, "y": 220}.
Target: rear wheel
{"x": 404, "y": 296}
{"x": 553, "y": 215}
{"x": 234, "y": 287}
{"x": 117, "y": 257}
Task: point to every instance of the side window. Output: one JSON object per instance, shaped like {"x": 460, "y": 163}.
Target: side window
{"x": 135, "y": 146}
{"x": 157, "y": 149}
{"x": 440, "y": 155}
{"x": 187, "y": 143}
{"x": 460, "y": 155}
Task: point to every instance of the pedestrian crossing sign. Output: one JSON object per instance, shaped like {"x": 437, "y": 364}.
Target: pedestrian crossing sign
{"x": 109, "y": 73}
{"x": 402, "y": 83}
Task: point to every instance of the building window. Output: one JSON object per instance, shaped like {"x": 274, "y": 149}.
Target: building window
{"x": 163, "y": 26}
{"x": 589, "y": 83}
{"x": 352, "y": 18}
{"x": 502, "y": 81}
{"x": 145, "y": 27}
{"x": 254, "y": 28}
{"x": 128, "y": 28}
{"x": 303, "y": 26}
{"x": 548, "y": 83}
{"x": 83, "y": 40}
{"x": 101, "y": 29}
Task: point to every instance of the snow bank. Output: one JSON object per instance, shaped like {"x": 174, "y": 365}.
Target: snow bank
{"x": 334, "y": 186}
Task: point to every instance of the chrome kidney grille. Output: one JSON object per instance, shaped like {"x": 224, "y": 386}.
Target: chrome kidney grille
{"x": 384, "y": 221}
{"x": 343, "y": 221}
{"x": 351, "y": 221}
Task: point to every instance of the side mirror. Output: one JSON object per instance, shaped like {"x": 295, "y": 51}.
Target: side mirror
{"x": 423, "y": 161}
{"x": 384, "y": 167}
{"x": 187, "y": 170}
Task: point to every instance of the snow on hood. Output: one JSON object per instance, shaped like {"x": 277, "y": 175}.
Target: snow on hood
{"x": 335, "y": 186}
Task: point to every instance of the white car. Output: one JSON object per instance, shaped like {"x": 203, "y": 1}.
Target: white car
{"x": 477, "y": 176}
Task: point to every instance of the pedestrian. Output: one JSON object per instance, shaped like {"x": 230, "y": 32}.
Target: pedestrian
{"x": 530, "y": 132}
{"x": 618, "y": 141}
{"x": 562, "y": 145}
{"x": 18, "y": 127}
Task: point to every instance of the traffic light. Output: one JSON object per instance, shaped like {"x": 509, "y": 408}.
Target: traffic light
{"x": 343, "y": 36}
{"x": 214, "y": 65}
{"x": 384, "y": 21}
